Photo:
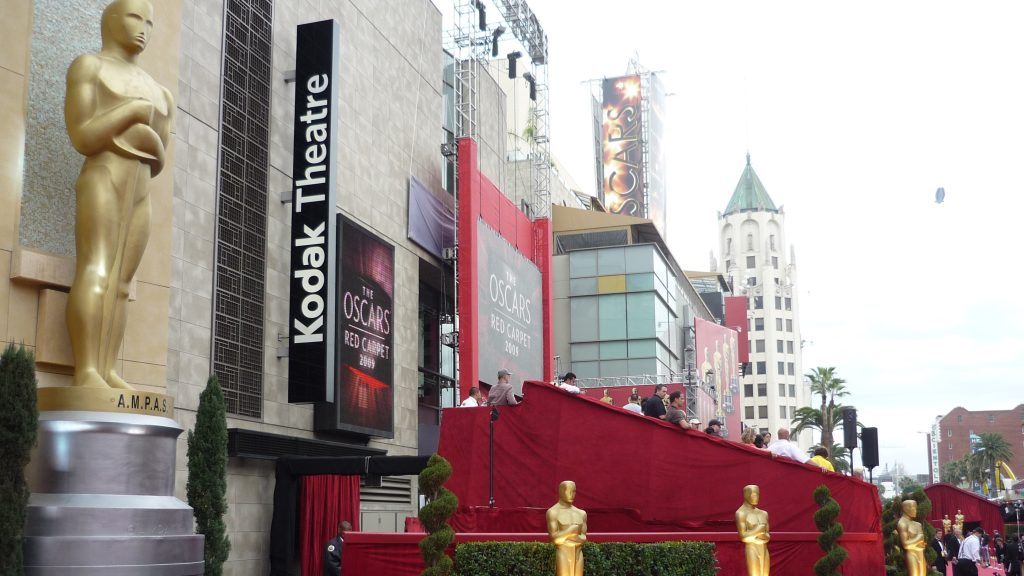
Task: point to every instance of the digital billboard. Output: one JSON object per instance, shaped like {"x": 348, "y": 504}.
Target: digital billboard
{"x": 365, "y": 373}
{"x": 717, "y": 353}
{"x": 510, "y": 321}
{"x": 622, "y": 188}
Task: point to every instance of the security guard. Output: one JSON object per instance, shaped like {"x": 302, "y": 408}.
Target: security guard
{"x": 332, "y": 556}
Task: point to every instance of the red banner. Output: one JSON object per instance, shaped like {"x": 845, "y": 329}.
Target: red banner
{"x": 717, "y": 365}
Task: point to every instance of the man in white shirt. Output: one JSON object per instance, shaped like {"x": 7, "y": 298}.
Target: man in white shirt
{"x": 634, "y": 404}
{"x": 569, "y": 383}
{"x": 783, "y": 447}
{"x": 970, "y": 555}
{"x": 473, "y": 399}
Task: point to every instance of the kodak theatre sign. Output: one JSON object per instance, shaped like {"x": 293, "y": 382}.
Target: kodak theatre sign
{"x": 311, "y": 310}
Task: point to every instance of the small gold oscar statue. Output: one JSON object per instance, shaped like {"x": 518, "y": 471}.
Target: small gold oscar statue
{"x": 120, "y": 119}
{"x": 947, "y": 525}
{"x": 567, "y": 526}
{"x": 752, "y": 526}
{"x": 959, "y": 520}
{"x": 912, "y": 540}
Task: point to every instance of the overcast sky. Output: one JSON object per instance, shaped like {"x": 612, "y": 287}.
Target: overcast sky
{"x": 853, "y": 114}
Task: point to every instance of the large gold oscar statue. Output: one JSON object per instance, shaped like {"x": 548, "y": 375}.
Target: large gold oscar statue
{"x": 912, "y": 540}
{"x": 567, "y": 526}
{"x": 119, "y": 118}
{"x": 959, "y": 521}
{"x": 947, "y": 525}
{"x": 752, "y": 526}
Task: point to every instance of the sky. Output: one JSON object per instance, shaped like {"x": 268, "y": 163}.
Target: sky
{"x": 853, "y": 114}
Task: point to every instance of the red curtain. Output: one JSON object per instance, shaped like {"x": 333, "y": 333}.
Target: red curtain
{"x": 324, "y": 501}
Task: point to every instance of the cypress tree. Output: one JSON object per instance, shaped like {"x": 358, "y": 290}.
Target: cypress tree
{"x": 207, "y": 476}
{"x": 441, "y": 504}
{"x": 19, "y": 418}
{"x": 831, "y": 530}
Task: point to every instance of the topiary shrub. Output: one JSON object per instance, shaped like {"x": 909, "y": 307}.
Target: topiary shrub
{"x": 610, "y": 559}
{"x": 206, "y": 488}
{"x": 826, "y": 521}
{"x": 441, "y": 504}
{"x": 19, "y": 420}
{"x": 895, "y": 563}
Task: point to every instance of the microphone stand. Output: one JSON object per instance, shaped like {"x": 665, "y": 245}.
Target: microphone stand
{"x": 490, "y": 468}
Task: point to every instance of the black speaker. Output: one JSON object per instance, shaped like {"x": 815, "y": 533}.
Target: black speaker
{"x": 850, "y": 428}
{"x": 869, "y": 451}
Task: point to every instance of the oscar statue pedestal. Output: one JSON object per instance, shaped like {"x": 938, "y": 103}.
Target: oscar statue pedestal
{"x": 103, "y": 489}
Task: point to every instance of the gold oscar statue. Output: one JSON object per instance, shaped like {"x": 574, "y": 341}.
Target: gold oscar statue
{"x": 959, "y": 521}
{"x": 567, "y": 526}
{"x": 120, "y": 119}
{"x": 947, "y": 524}
{"x": 912, "y": 540}
{"x": 752, "y": 526}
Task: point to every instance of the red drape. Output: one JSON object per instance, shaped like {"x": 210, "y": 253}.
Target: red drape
{"x": 654, "y": 473}
{"x": 947, "y": 499}
{"x": 324, "y": 501}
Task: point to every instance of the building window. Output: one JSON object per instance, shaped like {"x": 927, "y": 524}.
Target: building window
{"x": 778, "y": 302}
{"x": 959, "y": 418}
{"x": 758, "y": 323}
{"x": 762, "y": 368}
{"x": 762, "y": 389}
{"x": 771, "y": 241}
{"x": 789, "y": 347}
{"x": 991, "y": 417}
{"x": 950, "y": 445}
{"x": 792, "y": 412}
{"x": 728, "y": 247}
{"x": 782, "y": 412}
{"x": 751, "y": 261}
{"x": 758, "y": 302}
{"x": 778, "y": 323}
{"x": 762, "y": 411}
{"x": 949, "y": 433}
{"x": 241, "y": 245}
{"x": 782, "y": 389}
{"x": 792, "y": 391}
{"x": 752, "y": 281}
{"x": 789, "y": 325}
{"x": 775, "y": 262}
{"x": 750, "y": 242}
{"x": 790, "y": 369}
{"x": 748, "y": 412}
{"x": 789, "y": 303}
{"x": 778, "y": 346}
{"x": 748, "y": 390}
{"x": 759, "y": 346}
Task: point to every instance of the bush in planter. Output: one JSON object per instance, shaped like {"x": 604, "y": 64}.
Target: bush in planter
{"x": 441, "y": 504}
{"x": 19, "y": 417}
{"x": 206, "y": 488}
{"x": 831, "y": 530}
{"x": 610, "y": 559}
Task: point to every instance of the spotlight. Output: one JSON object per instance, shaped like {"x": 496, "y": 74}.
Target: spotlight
{"x": 512, "y": 58}
{"x": 483, "y": 14}
{"x": 533, "y": 85}
{"x": 494, "y": 40}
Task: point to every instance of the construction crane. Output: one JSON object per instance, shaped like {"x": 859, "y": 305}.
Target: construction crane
{"x": 1004, "y": 474}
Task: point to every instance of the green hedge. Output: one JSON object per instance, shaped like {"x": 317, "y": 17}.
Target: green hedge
{"x": 610, "y": 559}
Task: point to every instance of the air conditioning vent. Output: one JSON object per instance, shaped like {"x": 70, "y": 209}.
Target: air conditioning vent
{"x": 392, "y": 490}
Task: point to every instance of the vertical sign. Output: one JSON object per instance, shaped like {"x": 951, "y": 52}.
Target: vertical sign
{"x": 311, "y": 311}
{"x": 656, "y": 166}
{"x": 365, "y": 401}
{"x": 623, "y": 189}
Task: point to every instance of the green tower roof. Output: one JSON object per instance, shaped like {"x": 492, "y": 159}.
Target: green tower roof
{"x": 750, "y": 195}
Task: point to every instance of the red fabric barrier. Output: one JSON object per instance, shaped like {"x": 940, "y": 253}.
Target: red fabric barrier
{"x": 947, "y": 499}
{"x": 792, "y": 553}
{"x": 325, "y": 500}
{"x": 666, "y": 476}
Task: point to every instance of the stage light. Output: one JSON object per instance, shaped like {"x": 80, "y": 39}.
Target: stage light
{"x": 533, "y": 85}
{"x": 494, "y": 40}
{"x": 483, "y": 14}
{"x": 512, "y": 58}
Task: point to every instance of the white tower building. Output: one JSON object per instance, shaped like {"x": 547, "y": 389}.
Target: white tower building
{"x": 752, "y": 233}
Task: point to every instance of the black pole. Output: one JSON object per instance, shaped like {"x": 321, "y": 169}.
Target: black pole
{"x": 851, "y": 461}
{"x": 490, "y": 448}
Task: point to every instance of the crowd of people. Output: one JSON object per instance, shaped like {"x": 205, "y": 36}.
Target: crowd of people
{"x": 978, "y": 548}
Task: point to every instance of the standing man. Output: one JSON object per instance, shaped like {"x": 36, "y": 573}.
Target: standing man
{"x": 676, "y": 410}
{"x": 332, "y": 557}
{"x": 940, "y": 552}
{"x": 473, "y": 399}
{"x": 501, "y": 394}
{"x": 569, "y": 383}
{"x": 714, "y": 427}
{"x": 634, "y": 404}
{"x": 655, "y": 406}
{"x": 783, "y": 447}
{"x": 970, "y": 554}
{"x": 952, "y": 541}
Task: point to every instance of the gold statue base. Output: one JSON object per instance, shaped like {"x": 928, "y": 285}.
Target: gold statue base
{"x": 118, "y": 400}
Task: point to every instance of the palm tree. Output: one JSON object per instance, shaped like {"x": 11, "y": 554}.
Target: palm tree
{"x": 808, "y": 418}
{"x": 825, "y": 382}
{"x": 990, "y": 448}
{"x": 952, "y": 472}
